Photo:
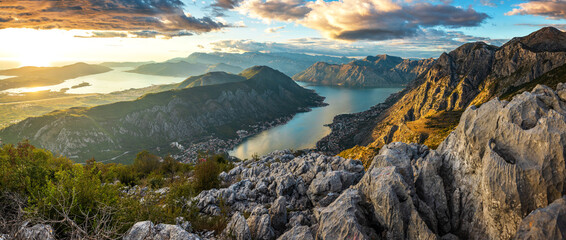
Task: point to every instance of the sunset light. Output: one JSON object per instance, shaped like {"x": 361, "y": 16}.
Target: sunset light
{"x": 282, "y": 119}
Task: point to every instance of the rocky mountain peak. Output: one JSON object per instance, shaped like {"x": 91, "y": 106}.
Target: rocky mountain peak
{"x": 547, "y": 39}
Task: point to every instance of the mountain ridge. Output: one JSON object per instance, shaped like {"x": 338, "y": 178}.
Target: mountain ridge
{"x": 471, "y": 74}
{"x": 372, "y": 71}
{"x": 148, "y": 122}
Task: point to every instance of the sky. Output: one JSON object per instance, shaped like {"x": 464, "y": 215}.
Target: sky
{"x": 50, "y": 32}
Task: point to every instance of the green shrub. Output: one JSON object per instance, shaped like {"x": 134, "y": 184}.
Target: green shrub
{"x": 206, "y": 175}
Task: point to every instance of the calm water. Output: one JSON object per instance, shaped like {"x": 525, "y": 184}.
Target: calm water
{"x": 305, "y": 129}
{"x": 115, "y": 80}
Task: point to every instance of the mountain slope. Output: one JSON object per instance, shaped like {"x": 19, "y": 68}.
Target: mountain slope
{"x": 46, "y": 76}
{"x": 378, "y": 71}
{"x": 187, "y": 115}
{"x": 288, "y": 63}
{"x": 471, "y": 74}
{"x": 211, "y": 78}
{"x": 182, "y": 69}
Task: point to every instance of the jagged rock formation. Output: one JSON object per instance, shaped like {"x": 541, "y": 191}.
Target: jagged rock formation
{"x": 185, "y": 115}
{"x": 471, "y": 74}
{"x": 500, "y": 174}
{"x": 378, "y": 71}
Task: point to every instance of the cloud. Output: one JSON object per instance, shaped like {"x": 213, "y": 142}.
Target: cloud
{"x": 164, "y": 16}
{"x": 112, "y": 34}
{"x": 353, "y": 20}
{"x": 488, "y": 3}
{"x": 384, "y": 19}
{"x": 226, "y": 4}
{"x": 281, "y": 10}
{"x": 549, "y": 9}
{"x": 428, "y": 43}
{"x": 274, "y": 29}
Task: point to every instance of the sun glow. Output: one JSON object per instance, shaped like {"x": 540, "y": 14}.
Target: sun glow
{"x": 36, "y": 48}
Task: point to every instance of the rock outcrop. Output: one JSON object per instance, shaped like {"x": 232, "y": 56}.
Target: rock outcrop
{"x": 471, "y": 74}
{"x": 378, "y": 71}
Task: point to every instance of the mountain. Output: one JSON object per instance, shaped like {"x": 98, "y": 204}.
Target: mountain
{"x": 124, "y": 64}
{"x": 183, "y": 69}
{"x": 429, "y": 108}
{"x": 378, "y": 71}
{"x": 223, "y": 67}
{"x": 211, "y": 78}
{"x": 288, "y": 63}
{"x": 47, "y": 76}
{"x": 154, "y": 121}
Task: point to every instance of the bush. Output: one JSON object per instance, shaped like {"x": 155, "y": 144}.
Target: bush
{"x": 206, "y": 175}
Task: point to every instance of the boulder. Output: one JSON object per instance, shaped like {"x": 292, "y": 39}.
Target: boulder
{"x": 37, "y": 231}
{"x": 259, "y": 223}
{"x": 148, "y": 231}
{"x": 237, "y": 228}
{"x": 278, "y": 212}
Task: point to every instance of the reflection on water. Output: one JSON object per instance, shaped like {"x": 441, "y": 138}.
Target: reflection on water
{"x": 115, "y": 80}
{"x": 305, "y": 129}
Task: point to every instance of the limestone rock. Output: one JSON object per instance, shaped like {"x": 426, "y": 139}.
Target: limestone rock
{"x": 237, "y": 228}
{"x": 148, "y": 231}
{"x": 297, "y": 233}
{"x": 348, "y": 217}
{"x": 278, "y": 212}
{"x": 37, "y": 231}
{"x": 545, "y": 223}
{"x": 260, "y": 224}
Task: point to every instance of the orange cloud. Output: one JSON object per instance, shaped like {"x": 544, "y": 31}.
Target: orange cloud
{"x": 163, "y": 16}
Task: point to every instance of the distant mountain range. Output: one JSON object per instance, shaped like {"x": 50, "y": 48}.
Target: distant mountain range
{"x": 184, "y": 69}
{"x": 430, "y": 107}
{"x": 378, "y": 71}
{"x": 185, "y": 115}
{"x": 47, "y": 76}
{"x": 199, "y": 63}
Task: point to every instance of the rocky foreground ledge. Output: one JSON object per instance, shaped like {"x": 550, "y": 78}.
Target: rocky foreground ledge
{"x": 500, "y": 175}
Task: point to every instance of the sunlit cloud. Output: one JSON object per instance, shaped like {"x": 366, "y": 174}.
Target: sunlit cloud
{"x": 280, "y": 10}
{"x": 163, "y": 16}
{"x": 549, "y": 9}
{"x": 428, "y": 43}
{"x": 274, "y": 29}
{"x": 354, "y": 20}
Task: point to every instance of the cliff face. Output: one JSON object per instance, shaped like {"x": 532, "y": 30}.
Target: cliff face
{"x": 471, "y": 74}
{"x": 155, "y": 120}
{"x": 501, "y": 174}
{"x": 378, "y": 71}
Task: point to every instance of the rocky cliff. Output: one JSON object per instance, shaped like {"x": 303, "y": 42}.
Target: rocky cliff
{"x": 186, "y": 116}
{"x": 471, "y": 74}
{"x": 378, "y": 71}
{"x": 500, "y": 175}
